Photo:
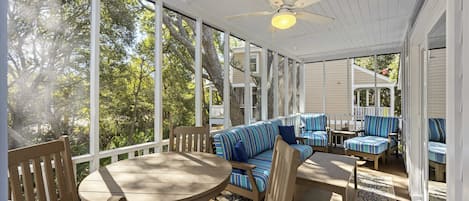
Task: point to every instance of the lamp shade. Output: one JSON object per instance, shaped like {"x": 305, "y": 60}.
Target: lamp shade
{"x": 283, "y": 20}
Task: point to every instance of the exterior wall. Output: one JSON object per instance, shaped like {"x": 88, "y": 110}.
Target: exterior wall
{"x": 313, "y": 81}
{"x": 238, "y": 76}
{"x": 436, "y": 84}
{"x": 336, "y": 88}
{"x": 365, "y": 78}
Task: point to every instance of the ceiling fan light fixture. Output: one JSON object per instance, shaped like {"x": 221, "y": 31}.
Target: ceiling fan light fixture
{"x": 283, "y": 20}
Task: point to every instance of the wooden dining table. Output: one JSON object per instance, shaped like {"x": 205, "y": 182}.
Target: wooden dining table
{"x": 160, "y": 176}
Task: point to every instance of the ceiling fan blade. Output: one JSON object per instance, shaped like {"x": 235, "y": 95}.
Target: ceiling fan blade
{"x": 276, "y": 3}
{"x": 305, "y": 3}
{"x": 313, "y": 17}
{"x": 260, "y": 13}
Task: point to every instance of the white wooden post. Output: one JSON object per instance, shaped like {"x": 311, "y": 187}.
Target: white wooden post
{"x": 393, "y": 99}
{"x": 210, "y": 99}
{"x": 352, "y": 86}
{"x": 367, "y": 97}
{"x": 457, "y": 99}
{"x": 349, "y": 85}
{"x": 286, "y": 81}
{"x": 94, "y": 84}
{"x": 247, "y": 84}
{"x": 3, "y": 101}
{"x": 375, "y": 67}
{"x": 275, "y": 86}
{"x": 294, "y": 87}
{"x": 264, "y": 90}
{"x": 198, "y": 72}
{"x": 324, "y": 92}
{"x": 226, "y": 81}
{"x": 158, "y": 72}
{"x": 302, "y": 88}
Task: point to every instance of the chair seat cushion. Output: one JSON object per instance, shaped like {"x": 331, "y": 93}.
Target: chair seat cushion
{"x": 367, "y": 144}
{"x": 263, "y": 162}
{"x": 261, "y": 175}
{"x": 437, "y": 152}
{"x": 305, "y": 150}
{"x": 315, "y": 138}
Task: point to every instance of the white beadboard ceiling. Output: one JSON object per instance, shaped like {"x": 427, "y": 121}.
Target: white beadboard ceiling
{"x": 362, "y": 27}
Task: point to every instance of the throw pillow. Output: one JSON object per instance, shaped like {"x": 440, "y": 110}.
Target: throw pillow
{"x": 288, "y": 134}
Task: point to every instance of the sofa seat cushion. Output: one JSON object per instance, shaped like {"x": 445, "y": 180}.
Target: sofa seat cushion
{"x": 305, "y": 150}
{"x": 315, "y": 138}
{"x": 437, "y": 152}
{"x": 261, "y": 175}
{"x": 265, "y": 156}
{"x": 367, "y": 144}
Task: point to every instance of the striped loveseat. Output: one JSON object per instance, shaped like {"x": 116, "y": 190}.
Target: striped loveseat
{"x": 315, "y": 131}
{"x": 378, "y": 138}
{"x": 250, "y": 179}
{"x": 437, "y": 146}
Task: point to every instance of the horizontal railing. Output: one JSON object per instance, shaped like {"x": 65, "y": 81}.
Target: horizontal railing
{"x": 129, "y": 151}
{"x": 379, "y": 111}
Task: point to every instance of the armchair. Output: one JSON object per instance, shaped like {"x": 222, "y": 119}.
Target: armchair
{"x": 315, "y": 132}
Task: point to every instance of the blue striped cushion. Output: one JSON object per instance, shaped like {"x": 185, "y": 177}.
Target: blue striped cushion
{"x": 437, "y": 129}
{"x": 261, "y": 175}
{"x": 275, "y": 123}
{"x": 224, "y": 142}
{"x": 380, "y": 126}
{"x": 305, "y": 150}
{"x": 314, "y": 122}
{"x": 315, "y": 138}
{"x": 260, "y": 139}
{"x": 367, "y": 144}
{"x": 437, "y": 152}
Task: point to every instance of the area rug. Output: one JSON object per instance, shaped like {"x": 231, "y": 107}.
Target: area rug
{"x": 374, "y": 188}
{"x": 370, "y": 188}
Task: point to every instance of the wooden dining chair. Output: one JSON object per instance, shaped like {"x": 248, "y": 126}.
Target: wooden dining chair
{"x": 42, "y": 172}
{"x": 282, "y": 179}
{"x": 190, "y": 139}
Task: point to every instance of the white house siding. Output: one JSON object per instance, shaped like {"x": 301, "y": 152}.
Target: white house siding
{"x": 436, "y": 84}
{"x": 336, "y": 88}
{"x": 366, "y": 78}
{"x": 313, "y": 87}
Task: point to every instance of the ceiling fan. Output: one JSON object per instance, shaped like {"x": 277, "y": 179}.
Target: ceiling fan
{"x": 287, "y": 12}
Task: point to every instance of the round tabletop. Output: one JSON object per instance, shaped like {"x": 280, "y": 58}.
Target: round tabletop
{"x": 161, "y": 176}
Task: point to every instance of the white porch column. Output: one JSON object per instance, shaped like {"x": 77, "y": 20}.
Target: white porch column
{"x": 286, "y": 81}
{"x": 226, "y": 81}
{"x": 378, "y": 97}
{"x": 3, "y": 101}
{"x": 247, "y": 84}
{"x": 358, "y": 98}
{"x": 198, "y": 72}
{"x": 367, "y": 97}
{"x": 94, "y": 84}
{"x": 393, "y": 99}
{"x": 294, "y": 87}
{"x": 264, "y": 92}
{"x": 376, "y": 86}
{"x": 210, "y": 89}
{"x": 158, "y": 71}
{"x": 302, "y": 87}
{"x": 275, "y": 85}
{"x": 324, "y": 92}
{"x": 352, "y": 86}
{"x": 457, "y": 99}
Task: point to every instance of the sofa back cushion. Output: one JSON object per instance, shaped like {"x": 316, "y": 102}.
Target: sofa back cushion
{"x": 437, "y": 130}
{"x": 380, "y": 126}
{"x": 256, "y": 138}
{"x": 314, "y": 122}
{"x": 261, "y": 139}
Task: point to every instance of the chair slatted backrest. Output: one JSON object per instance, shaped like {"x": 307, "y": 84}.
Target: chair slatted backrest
{"x": 42, "y": 172}
{"x": 282, "y": 179}
{"x": 190, "y": 139}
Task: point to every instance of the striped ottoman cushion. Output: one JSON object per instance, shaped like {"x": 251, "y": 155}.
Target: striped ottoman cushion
{"x": 315, "y": 138}
{"x": 437, "y": 152}
{"x": 367, "y": 144}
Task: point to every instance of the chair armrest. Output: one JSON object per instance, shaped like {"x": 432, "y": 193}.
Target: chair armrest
{"x": 301, "y": 139}
{"x": 242, "y": 166}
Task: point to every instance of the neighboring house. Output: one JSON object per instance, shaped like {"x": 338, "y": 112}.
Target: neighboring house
{"x": 346, "y": 83}
{"x": 436, "y": 100}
